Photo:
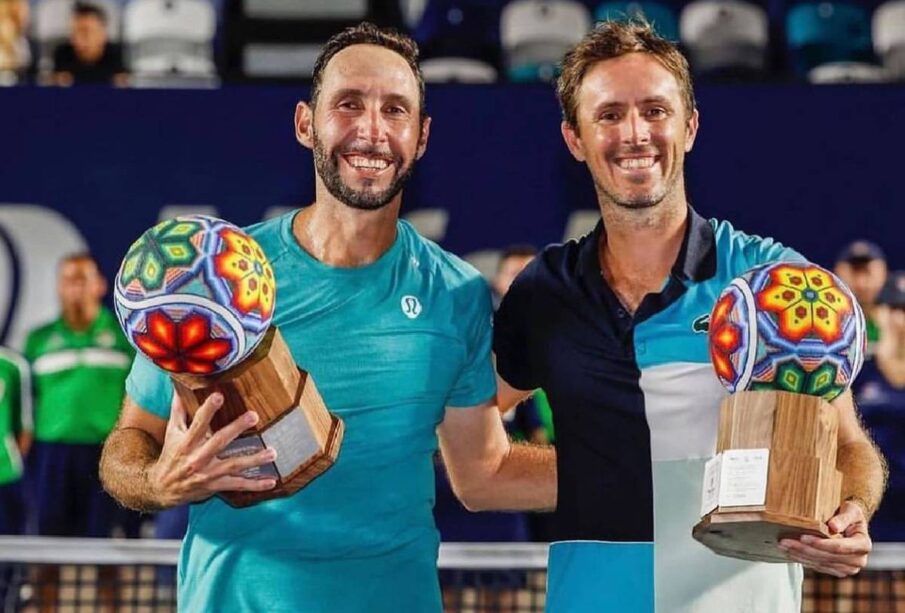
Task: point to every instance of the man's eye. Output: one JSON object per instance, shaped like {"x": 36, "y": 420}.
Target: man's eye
{"x": 348, "y": 105}
{"x": 609, "y": 116}
{"x": 656, "y": 112}
{"x": 395, "y": 110}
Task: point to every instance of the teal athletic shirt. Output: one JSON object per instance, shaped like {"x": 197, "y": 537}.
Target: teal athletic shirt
{"x": 390, "y": 346}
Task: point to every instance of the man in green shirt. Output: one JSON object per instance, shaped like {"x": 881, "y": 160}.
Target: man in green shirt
{"x": 15, "y": 432}
{"x": 79, "y": 365}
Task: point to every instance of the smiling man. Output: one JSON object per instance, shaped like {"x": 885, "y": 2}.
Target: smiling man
{"x": 612, "y": 327}
{"x": 397, "y": 334}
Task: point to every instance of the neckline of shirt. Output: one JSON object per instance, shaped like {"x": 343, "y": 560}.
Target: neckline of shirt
{"x": 386, "y": 259}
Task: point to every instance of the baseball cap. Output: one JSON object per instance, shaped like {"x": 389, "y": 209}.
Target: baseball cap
{"x": 861, "y": 252}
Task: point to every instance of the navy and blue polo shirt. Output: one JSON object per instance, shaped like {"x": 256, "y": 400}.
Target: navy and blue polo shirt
{"x": 635, "y": 407}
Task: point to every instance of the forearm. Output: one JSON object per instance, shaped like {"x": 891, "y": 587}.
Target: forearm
{"x": 128, "y": 455}
{"x": 864, "y": 474}
{"x": 524, "y": 480}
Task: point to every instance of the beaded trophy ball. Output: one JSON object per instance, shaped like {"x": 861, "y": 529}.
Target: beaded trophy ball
{"x": 790, "y": 327}
{"x": 195, "y": 294}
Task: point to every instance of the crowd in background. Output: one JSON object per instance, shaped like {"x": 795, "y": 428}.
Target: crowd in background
{"x": 150, "y": 42}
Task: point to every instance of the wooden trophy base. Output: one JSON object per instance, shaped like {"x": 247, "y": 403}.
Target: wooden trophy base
{"x": 753, "y": 535}
{"x": 292, "y": 418}
{"x": 803, "y": 485}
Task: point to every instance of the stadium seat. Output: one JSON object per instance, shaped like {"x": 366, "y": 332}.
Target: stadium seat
{"x": 307, "y": 9}
{"x": 847, "y": 72}
{"x": 725, "y": 39}
{"x": 537, "y": 33}
{"x": 661, "y": 16}
{"x": 412, "y": 12}
{"x": 889, "y": 37}
{"x": 170, "y": 37}
{"x": 52, "y": 23}
{"x": 457, "y": 70}
{"x": 280, "y": 39}
{"x": 825, "y": 32}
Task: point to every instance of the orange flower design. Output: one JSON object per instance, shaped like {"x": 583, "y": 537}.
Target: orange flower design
{"x": 243, "y": 263}
{"x": 725, "y": 337}
{"x": 183, "y": 347}
{"x": 806, "y": 301}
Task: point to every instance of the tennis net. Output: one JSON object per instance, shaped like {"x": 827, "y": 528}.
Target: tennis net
{"x": 138, "y": 576}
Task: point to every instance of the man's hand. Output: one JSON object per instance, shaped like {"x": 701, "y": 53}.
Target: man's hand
{"x": 842, "y": 555}
{"x": 188, "y": 468}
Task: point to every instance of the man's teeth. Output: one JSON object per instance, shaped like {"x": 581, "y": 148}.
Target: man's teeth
{"x": 363, "y": 162}
{"x": 633, "y": 163}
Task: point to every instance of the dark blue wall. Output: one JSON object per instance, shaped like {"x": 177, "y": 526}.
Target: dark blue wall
{"x": 814, "y": 167}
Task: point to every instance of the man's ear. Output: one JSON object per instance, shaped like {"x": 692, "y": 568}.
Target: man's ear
{"x": 304, "y": 125}
{"x": 573, "y": 140}
{"x": 691, "y": 130}
{"x": 422, "y": 140}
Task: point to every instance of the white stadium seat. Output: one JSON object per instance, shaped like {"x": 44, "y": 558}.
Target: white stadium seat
{"x": 541, "y": 31}
{"x": 166, "y": 37}
{"x": 457, "y": 70}
{"x": 847, "y": 72}
{"x": 725, "y": 34}
{"x": 305, "y": 9}
{"x": 889, "y": 37}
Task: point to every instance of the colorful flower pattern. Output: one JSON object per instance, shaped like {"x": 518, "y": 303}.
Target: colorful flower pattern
{"x": 243, "y": 264}
{"x": 182, "y": 346}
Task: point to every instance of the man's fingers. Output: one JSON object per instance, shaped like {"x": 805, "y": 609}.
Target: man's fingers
{"x": 837, "y": 570}
{"x": 856, "y": 545}
{"x": 201, "y": 421}
{"x": 227, "y": 434}
{"x": 232, "y": 483}
{"x": 850, "y": 514}
{"x": 235, "y": 466}
{"x": 827, "y": 552}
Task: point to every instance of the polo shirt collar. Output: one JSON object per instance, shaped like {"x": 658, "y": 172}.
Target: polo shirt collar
{"x": 697, "y": 256}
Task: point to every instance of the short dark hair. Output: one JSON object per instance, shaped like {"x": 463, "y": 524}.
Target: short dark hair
{"x": 87, "y": 9}
{"x": 612, "y": 39}
{"x": 78, "y": 256}
{"x": 517, "y": 251}
{"x": 367, "y": 33}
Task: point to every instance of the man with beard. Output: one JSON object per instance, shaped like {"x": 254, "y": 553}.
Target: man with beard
{"x": 397, "y": 334}
{"x": 613, "y": 328}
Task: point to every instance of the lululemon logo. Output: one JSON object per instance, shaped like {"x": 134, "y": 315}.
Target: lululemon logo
{"x": 411, "y": 306}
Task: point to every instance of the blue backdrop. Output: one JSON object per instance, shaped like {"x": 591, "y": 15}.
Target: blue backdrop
{"x": 813, "y": 166}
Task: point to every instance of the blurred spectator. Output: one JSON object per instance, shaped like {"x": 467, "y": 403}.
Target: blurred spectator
{"x": 16, "y": 432}
{"x": 79, "y": 366}
{"x": 512, "y": 262}
{"x": 889, "y": 315}
{"x": 862, "y": 266}
{"x": 881, "y": 398}
{"x": 15, "y": 52}
{"x": 88, "y": 57}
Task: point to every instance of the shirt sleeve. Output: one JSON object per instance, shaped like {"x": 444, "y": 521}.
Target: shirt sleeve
{"x": 510, "y": 332}
{"x": 476, "y": 382}
{"x": 149, "y": 387}
{"x": 759, "y": 251}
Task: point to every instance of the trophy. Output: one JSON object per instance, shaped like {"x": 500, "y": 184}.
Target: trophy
{"x": 785, "y": 339}
{"x": 196, "y": 295}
